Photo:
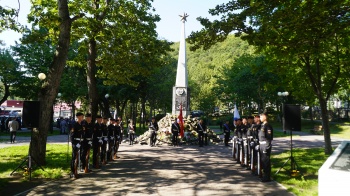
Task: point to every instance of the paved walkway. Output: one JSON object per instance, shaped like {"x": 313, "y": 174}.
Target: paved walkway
{"x": 164, "y": 170}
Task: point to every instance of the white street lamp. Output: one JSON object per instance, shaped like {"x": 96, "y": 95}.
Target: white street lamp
{"x": 41, "y": 76}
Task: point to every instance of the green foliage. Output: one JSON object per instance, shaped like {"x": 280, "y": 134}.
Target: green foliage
{"x": 9, "y": 73}
{"x": 36, "y": 57}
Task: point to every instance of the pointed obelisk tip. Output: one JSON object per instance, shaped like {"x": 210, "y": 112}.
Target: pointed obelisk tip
{"x": 184, "y": 17}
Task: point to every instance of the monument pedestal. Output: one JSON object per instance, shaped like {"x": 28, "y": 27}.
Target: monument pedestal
{"x": 181, "y": 96}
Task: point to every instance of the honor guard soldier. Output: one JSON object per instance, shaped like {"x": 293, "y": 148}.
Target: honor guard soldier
{"x": 111, "y": 139}
{"x": 118, "y": 130}
{"x": 175, "y": 129}
{"x": 250, "y": 124}
{"x": 76, "y": 136}
{"x": 97, "y": 142}
{"x": 105, "y": 140}
{"x": 226, "y": 133}
{"x": 200, "y": 131}
{"x": 238, "y": 133}
{"x": 121, "y": 124}
{"x": 254, "y": 146}
{"x": 265, "y": 139}
{"x": 153, "y": 126}
{"x": 244, "y": 129}
{"x": 88, "y": 130}
{"x": 234, "y": 140}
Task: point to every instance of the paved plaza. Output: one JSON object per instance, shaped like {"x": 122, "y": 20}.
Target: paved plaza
{"x": 167, "y": 170}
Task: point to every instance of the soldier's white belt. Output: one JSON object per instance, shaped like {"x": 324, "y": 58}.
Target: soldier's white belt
{"x": 262, "y": 142}
{"x": 77, "y": 139}
{"x": 88, "y": 139}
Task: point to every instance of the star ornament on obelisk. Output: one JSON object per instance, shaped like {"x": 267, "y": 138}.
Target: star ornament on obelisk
{"x": 181, "y": 94}
{"x": 184, "y": 17}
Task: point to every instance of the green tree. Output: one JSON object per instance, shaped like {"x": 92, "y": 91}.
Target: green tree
{"x": 311, "y": 36}
{"x": 9, "y": 73}
{"x": 60, "y": 35}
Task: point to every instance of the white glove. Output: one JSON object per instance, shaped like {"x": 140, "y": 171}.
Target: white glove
{"x": 100, "y": 141}
{"x": 106, "y": 139}
{"x": 257, "y": 147}
{"x": 90, "y": 143}
{"x": 112, "y": 138}
{"x": 78, "y": 145}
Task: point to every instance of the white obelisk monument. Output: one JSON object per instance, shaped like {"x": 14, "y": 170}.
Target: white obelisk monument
{"x": 181, "y": 94}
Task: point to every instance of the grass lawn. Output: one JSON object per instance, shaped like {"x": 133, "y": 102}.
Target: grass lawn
{"x": 56, "y": 163}
{"x": 309, "y": 161}
{"x": 27, "y": 133}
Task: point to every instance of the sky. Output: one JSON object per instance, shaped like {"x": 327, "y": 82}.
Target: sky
{"x": 168, "y": 28}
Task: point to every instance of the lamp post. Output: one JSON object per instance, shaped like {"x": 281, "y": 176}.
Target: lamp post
{"x": 283, "y": 94}
{"x": 42, "y": 76}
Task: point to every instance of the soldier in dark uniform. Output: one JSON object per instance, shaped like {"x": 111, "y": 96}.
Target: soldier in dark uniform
{"x": 250, "y": 124}
{"x": 111, "y": 139}
{"x": 238, "y": 134}
{"x": 121, "y": 124}
{"x": 105, "y": 141}
{"x": 88, "y": 130}
{"x": 76, "y": 136}
{"x": 97, "y": 142}
{"x": 265, "y": 139}
{"x": 245, "y": 142}
{"x": 118, "y": 130}
{"x": 254, "y": 144}
{"x": 175, "y": 129}
{"x": 226, "y": 133}
{"x": 153, "y": 126}
{"x": 200, "y": 131}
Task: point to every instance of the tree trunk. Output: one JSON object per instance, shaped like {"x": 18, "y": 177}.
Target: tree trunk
{"x": 325, "y": 125}
{"x": 91, "y": 78}
{"x": 106, "y": 112}
{"x": 311, "y": 114}
{"x": 50, "y": 86}
{"x": 6, "y": 94}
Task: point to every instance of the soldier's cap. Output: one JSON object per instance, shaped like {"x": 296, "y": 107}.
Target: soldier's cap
{"x": 88, "y": 115}
{"x": 250, "y": 117}
{"x": 235, "y": 119}
{"x": 105, "y": 117}
{"x": 79, "y": 114}
{"x": 98, "y": 116}
{"x": 239, "y": 119}
{"x": 112, "y": 119}
{"x": 257, "y": 116}
{"x": 117, "y": 120}
{"x": 153, "y": 117}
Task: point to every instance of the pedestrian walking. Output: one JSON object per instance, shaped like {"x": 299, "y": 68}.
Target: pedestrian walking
{"x": 13, "y": 125}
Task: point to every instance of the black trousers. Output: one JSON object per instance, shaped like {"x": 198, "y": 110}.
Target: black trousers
{"x": 111, "y": 143}
{"x": 226, "y": 139}
{"x": 200, "y": 138}
{"x": 104, "y": 150}
{"x": 265, "y": 153}
{"x": 13, "y": 136}
{"x": 153, "y": 138}
{"x": 96, "y": 151}
{"x": 132, "y": 138}
{"x": 206, "y": 139}
{"x": 75, "y": 155}
{"x": 175, "y": 138}
{"x": 85, "y": 154}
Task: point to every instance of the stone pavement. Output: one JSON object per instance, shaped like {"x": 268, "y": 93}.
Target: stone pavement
{"x": 165, "y": 170}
